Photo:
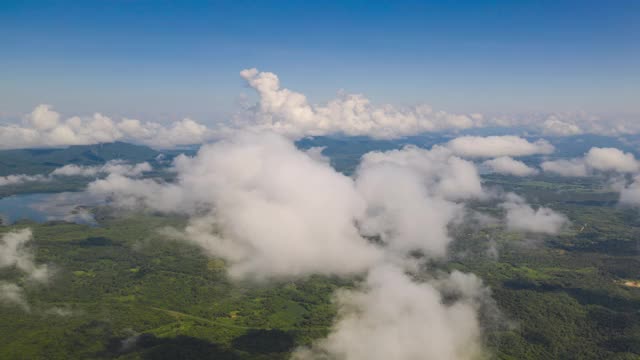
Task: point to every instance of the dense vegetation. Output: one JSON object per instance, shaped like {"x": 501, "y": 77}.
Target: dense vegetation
{"x": 122, "y": 290}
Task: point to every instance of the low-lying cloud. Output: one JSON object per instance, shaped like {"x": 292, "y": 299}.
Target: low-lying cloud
{"x": 118, "y": 167}
{"x": 14, "y": 253}
{"x": 520, "y": 216}
{"x": 391, "y": 316}
{"x": 19, "y": 179}
{"x": 597, "y": 159}
{"x": 508, "y": 166}
{"x": 272, "y": 211}
{"x": 12, "y": 294}
{"x": 45, "y": 128}
{"x": 497, "y": 146}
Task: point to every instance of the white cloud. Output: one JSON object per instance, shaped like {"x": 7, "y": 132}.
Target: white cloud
{"x": 556, "y": 125}
{"x": 119, "y": 167}
{"x": 45, "y": 128}
{"x": 12, "y": 294}
{"x": 289, "y": 113}
{"x": 611, "y": 159}
{"x": 316, "y": 154}
{"x": 508, "y": 166}
{"x": 497, "y": 146}
{"x": 273, "y": 210}
{"x": 19, "y": 179}
{"x": 13, "y": 252}
{"x": 630, "y": 193}
{"x": 575, "y": 123}
{"x": 393, "y": 317}
{"x": 564, "y": 167}
{"x": 520, "y": 216}
{"x": 411, "y": 194}
{"x": 442, "y": 173}
{"x": 596, "y": 159}
{"x": 266, "y": 207}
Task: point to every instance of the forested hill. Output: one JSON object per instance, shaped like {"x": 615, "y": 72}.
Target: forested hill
{"x": 38, "y": 161}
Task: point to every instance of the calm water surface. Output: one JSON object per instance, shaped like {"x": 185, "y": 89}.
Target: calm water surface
{"x": 41, "y": 207}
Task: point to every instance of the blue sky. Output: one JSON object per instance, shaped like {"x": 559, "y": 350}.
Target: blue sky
{"x": 168, "y": 59}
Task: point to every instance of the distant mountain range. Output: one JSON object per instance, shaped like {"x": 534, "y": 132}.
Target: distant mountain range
{"x": 344, "y": 151}
{"x": 39, "y": 161}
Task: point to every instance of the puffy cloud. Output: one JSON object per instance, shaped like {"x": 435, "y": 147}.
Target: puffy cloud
{"x": 611, "y": 159}
{"x": 556, "y": 125}
{"x": 442, "y": 173}
{"x": 564, "y": 167}
{"x": 132, "y": 193}
{"x": 266, "y": 207}
{"x": 630, "y": 194}
{"x": 12, "y": 294}
{"x": 411, "y": 194}
{"x": 520, "y": 216}
{"x": 508, "y": 166}
{"x": 182, "y": 132}
{"x": 288, "y": 112}
{"x": 316, "y": 154}
{"x": 14, "y": 253}
{"x": 575, "y": 123}
{"x": 497, "y": 146}
{"x": 393, "y": 317}
{"x": 119, "y": 167}
{"x": 44, "y": 128}
{"x": 273, "y": 210}
{"x": 596, "y": 159}
{"x": 19, "y": 179}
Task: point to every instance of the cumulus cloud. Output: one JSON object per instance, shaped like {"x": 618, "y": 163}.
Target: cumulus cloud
{"x": 575, "y": 123}
{"x": 596, "y": 159}
{"x": 14, "y": 253}
{"x": 630, "y": 193}
{"x": 556, "y": 125}
{"x": 565, "y": 167}
{"x": 393, "y": 317}
{"x": 411, "y": 196}
{"x": 508, "y": 166}
{"x": 611, "y": 159}
{"x": 520, "y": 216}
{"x": 266, "y": 207}
{"x": 497, "y": 146}
{"x": 273, "y": 211}
{"x": 12, "y": 294}
{"x": 119, "y": 167}
{"x": 44, "y": 127}
{"x": 252, "y": 196}
{"x": 288, "y": 112}
{"x": 19, "y": 179}
{"x": 316, "y": 154}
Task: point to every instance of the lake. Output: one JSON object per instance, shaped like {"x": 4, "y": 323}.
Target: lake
{"x": 42, "y": 207}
